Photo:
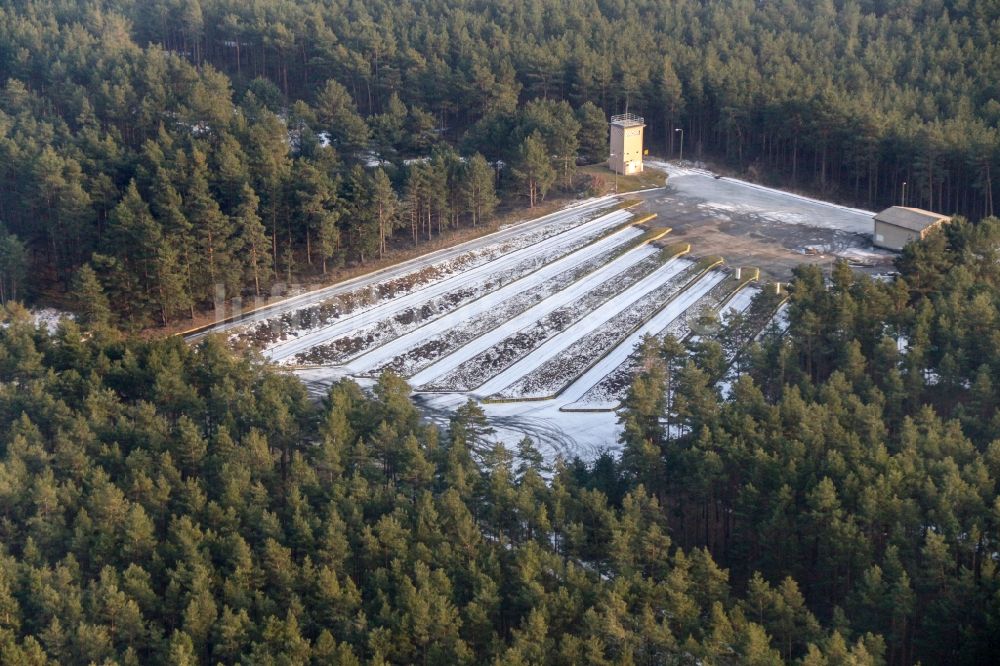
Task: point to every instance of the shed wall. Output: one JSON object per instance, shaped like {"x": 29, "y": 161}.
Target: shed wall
{"x": 892, "y": 237}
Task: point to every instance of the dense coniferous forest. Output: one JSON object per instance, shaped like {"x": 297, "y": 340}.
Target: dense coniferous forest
{"x": 161, "y": 503}
{"x": 858, "y": 455}
{"x": 175, "y": 145}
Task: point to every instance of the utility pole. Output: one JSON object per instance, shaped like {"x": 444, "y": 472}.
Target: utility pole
{"x": 613, "y": 156}
{"x": 904, "y": 193}
{"x": 681, "y": 130}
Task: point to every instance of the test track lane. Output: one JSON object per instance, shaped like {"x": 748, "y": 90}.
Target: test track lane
{"x": 352, "y": 322}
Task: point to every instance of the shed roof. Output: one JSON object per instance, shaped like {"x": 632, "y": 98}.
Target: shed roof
{"x": 914, "y": 219}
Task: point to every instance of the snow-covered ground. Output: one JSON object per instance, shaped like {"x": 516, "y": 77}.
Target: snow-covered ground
{"x": 754, "y": 225}
{"x": 501, "y": 257}
{"x": 49, "y": 318}
{"x": 589, "y": 350}
{"x": 741, "y": 300}
{"x": 507, "y": 265}
{"x": 447, "y": 334}
{"x": 732, "y": 194}
{"x": 569, "y": 299}
{"x": 592, "y": 321}
{"x": 607, "y": 391}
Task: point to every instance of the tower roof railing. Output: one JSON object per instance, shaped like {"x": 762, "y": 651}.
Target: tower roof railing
{"x": 627, "y": 120}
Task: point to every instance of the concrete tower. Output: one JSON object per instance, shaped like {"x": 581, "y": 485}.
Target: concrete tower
{"x": 626, "y": 144}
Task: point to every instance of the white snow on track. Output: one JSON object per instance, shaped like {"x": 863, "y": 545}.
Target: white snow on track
{"x": 621, "y": 353}
{"x": 556, "y": 301}
{"x": 741, "y": 300}
{"x": 581, "y": 328}
{"x": 290, "y": 348}
{"x": 380, "y": 355}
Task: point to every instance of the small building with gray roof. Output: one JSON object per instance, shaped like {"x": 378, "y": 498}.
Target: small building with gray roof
{"x": 897, "y": 226}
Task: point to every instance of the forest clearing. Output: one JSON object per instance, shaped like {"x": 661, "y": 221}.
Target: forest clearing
{"x": 541, "y": 322}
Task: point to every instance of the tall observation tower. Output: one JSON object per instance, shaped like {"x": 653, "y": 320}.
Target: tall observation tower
{"x": 626, "y": 144}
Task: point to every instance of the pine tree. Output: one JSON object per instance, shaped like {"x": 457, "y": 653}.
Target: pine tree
{"x": 254, "y": 239}
{"x": 533, "y": 169}
{"x": 672, "y": 100}
{"x": 167, "y": 205}
{"x": 385, "y": 207}
{"x": 338, "y": 113}
{"x": 564, "y": 141}
{"x": 10, "y": 610}
{"x": 136, "y": 239}
{"x": 62, "y": 208}
{"x": 230, "y": 173}
{"x": 271, "y": 170}
{"x": 182, "y": 652}
{"x": 363, "y": 228}
{"x": 470, "y": 426}
{"x": 191, "y": 447}
{"x": 92, "y": 307}
{"x": 171, "y": 283}
{"x": 478, "y": 189}
{"x": 439, "y": 188}
{"x": 229, "y": 635}
{"x": 318, "y": 207}
{"x": 13, "y": 266}
{"x": 387, "y": 128}
{"x": 643, "y": 433}
{"x": 328, "y": 238}
{"x": 213, "y": 263}
{"x": 593, "y": 133}
{"x": 200, "y": 614}
{"x": 695, "y": 402}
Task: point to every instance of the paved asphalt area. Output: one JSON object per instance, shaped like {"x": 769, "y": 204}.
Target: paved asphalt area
{"x": 752, "y": 226}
